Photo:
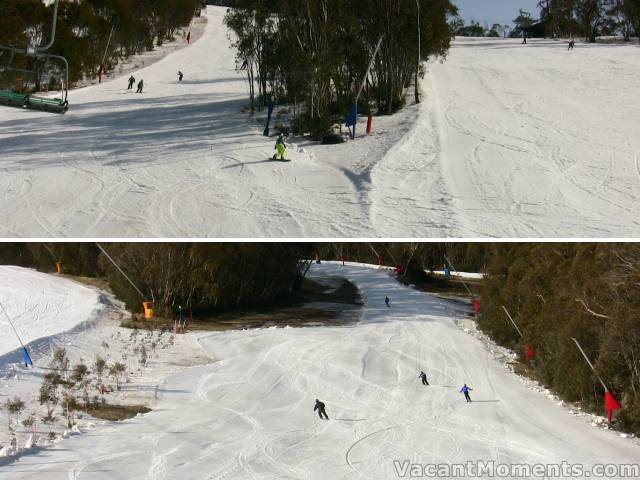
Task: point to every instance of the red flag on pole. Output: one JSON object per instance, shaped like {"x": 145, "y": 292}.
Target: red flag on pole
{"x": 610, "y": 404}
{"x": 476, "y": 307}
{"x": 529, "y": 353}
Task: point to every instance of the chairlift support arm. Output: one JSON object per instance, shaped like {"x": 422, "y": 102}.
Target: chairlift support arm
{"x": 53, "y": 30}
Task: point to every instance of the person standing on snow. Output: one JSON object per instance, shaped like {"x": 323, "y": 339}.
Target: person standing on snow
{"x": 466, "y": 390}
{"x": 572, "y": 44}
{"x": 281, "y": 147}
{"x": 423, "y": 377}
{"x": 180, "y": 75}
{"x": 387, "y": 301}
{"x": 320, "y": 408}
{"x": 140, "y": 86}
{"x": 132, "y": 80}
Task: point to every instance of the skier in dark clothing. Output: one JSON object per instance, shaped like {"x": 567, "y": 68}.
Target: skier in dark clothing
{"x": 466, "y": 390}
{"x": 140, "y": 86}
{"x": 572, "y": 44}
{"x": 423, "y": 377}
{"x": 386, "y": 300}
{"x": 524, "y": 38}
{"x": 180, "y": 75}
{"x": 132, "y": 80}
{"x": 320, "y": 408}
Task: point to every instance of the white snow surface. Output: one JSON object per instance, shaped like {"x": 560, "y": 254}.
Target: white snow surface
{"x": 250, "y": 414}
{"x": 41, "y": 305}
{"x": 56, "y": 309}
{"x": 535, "y": 140}
{"x": 509, "y": 141}
{"x": 469, "y": 275}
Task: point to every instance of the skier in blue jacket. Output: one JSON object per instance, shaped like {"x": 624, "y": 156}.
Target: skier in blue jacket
{"x": 466, "y": 390}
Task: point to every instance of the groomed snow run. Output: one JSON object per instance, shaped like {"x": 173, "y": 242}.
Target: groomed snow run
{"x": 536, "y": 140}
{"x": 41, "y": 305}
{"x": 250, "y": 414}
{"x": 510, "y": 141}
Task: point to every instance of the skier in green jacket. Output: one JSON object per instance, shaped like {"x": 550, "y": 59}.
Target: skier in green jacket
{"x": 281, "y": 147}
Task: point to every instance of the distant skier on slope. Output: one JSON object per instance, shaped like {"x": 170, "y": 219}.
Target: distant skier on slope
{"x": 132, "y": 81}
{"x": 524, "y": 38}
{"x": 140, "y": 86}
{"x": 466, "y": 390}
{"x": 281, "y": 147}
{"x": 423, "y": 377}
{"x": 572, "y": 44}
{"x": 180, "y": 76}
{"x": 387, "y": 301}
{"x": 320, "y": 408}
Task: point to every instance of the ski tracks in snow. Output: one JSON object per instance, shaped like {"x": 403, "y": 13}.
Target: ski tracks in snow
{"x": 527, "y": 153}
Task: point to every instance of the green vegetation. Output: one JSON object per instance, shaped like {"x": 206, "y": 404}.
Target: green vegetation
{"x": 559, "y": 291}
{"x": 201, "y": 277}
{"x": 590, "y": 18}
{"x": 315, "y": 53}
{"x": 565, "y": 19}
{"x": 83, "y": 32}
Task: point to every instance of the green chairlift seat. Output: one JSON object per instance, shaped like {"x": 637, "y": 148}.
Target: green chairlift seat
{"x": 34, "y": 102}
{"x": 54, "y": 105}
{"x": 11, "y": 99}
{"x": 20, "y": 100}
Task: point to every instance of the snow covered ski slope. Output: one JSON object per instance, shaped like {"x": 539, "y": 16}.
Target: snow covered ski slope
{"x": 539, "y": 141}
{"x": 179, "y": 160}
{"x": 510, "y": 140}
{"x": 41, "y": 305}
{"x": 250, "y": 414}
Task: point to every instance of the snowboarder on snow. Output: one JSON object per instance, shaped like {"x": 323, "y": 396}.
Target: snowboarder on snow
{"x": 423, "y": 377}
{"x": 572, "y": 44}
{"x": 320, "y": 408}
{"x": 132, "y": 80}
{"x": 180, "y": 75}
{"x": 387, "y": 301}
{"x": 140, "y": 86}
{"x": 466, "y": 390}
{"x": 281, "y": 147}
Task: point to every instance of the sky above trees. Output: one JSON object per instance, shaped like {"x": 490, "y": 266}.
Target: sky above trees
{"x": 495, "y": 11}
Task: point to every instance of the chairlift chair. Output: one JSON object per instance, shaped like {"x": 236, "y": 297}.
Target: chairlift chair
{"x": 10, "y": 98}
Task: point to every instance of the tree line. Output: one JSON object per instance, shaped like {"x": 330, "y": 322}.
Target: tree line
{"x": 202, "y": 277}
{"x": 556, "y": 292}
{"x": 213, "y": 277}
{"x": 590, "y": 18}
{"x": 565, "y": 19}
{"x": 87, "y": 32}
{"x": 314, "y": 54}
